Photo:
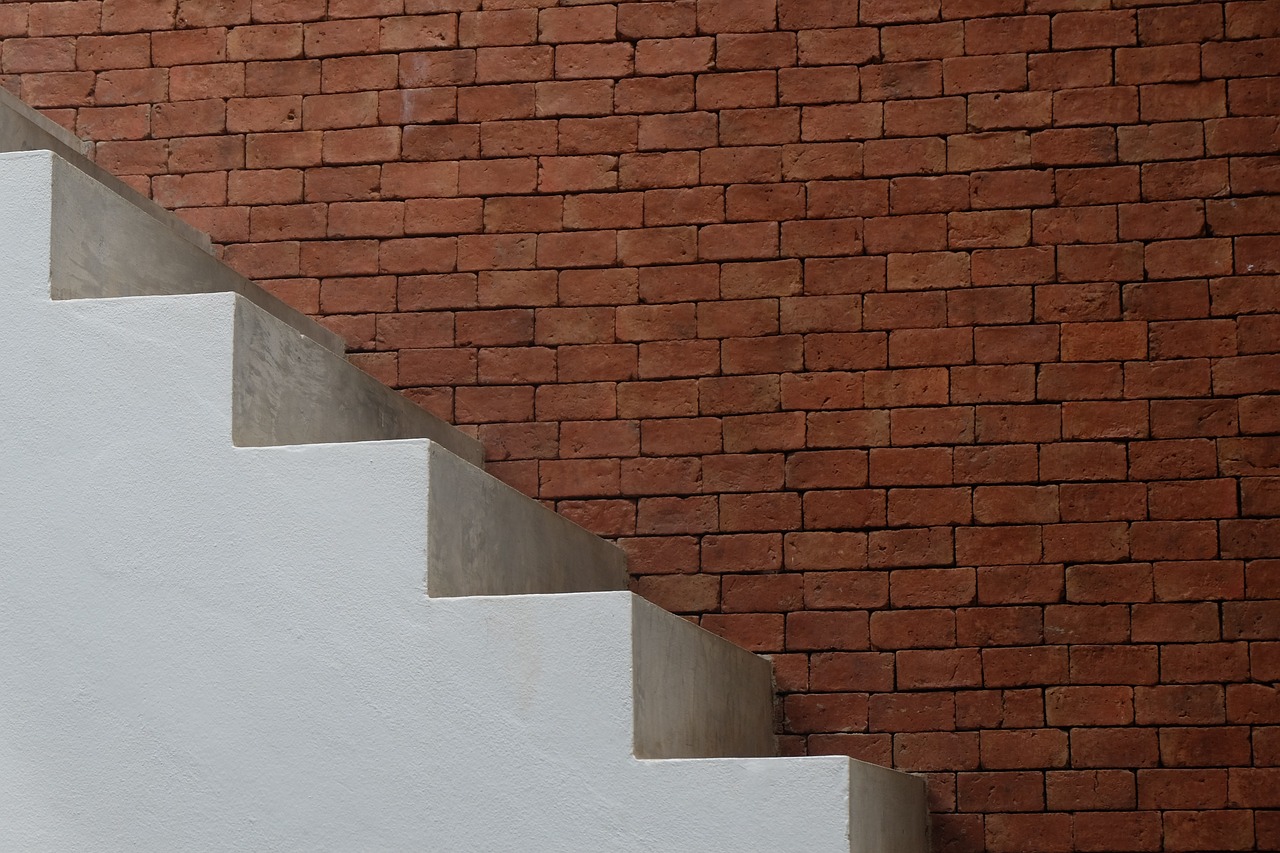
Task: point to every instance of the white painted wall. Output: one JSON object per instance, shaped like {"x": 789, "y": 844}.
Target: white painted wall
{"x": 211, "y": 647}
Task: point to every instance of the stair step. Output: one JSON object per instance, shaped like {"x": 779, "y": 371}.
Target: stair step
{"x": 103, "y": 245}
{"x": 486, "y": 538}
{"x": 291, "y": 390}
{"x": 291, "y": 384}
{"x": 660, "y": 687}
{"x": 696, "y": 695}
{"x": 25, "y": 129}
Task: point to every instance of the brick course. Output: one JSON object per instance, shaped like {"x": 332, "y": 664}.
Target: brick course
{"x": 930, "y": 347}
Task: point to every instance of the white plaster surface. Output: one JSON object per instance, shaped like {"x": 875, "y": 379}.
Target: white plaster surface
{"x": 206, "y": 646}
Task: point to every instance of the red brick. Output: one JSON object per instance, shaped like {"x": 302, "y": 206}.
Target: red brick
{"x": 925, "y": 507}
{"x": 495, "y": 328}
{"x": 657, "y": 245}
{"x": 625, "y": 210}
{"x": 1082, "y": 381}
{"x": 1070, "y": 69}
{"x": 1038, "y": 748}
{"x": 977, "y": 151}
{"x": 826, "y": 630}
{"x": 1004, "y": 626}
{"x": 119, "y": 16}
{"x": 894, "y": 80}
{"x": 891, "y": 12}
{"x": 1116, "y": 664}
{"x": 742, "y": 552}
{"x": 1076, "y": 623}
{"x": 1018, "y": 667}
{"x": 274, "y": 259}
{"x": 1115, "y": 747}
{"x": 1098, "y": 830}
{"x": 904, "y": 234}
{"x": 911, "y": 547}
{"x": 1185, "y": 180}
{"x": 114, "y": 123}
{"x": 1182, "y": 789}
{"x": 828, "y": 712}
{"x": 1180, "y": 705}
{"x": 943, "y": 668}
{"x": 762, "y": 593}
{"x": 1174, "y": 539}
{"x": 353, "y": 295}
{"x": 672, "y": 476}
{"x": 359, "y": 73}
{"x": 904, "y": 157}
{"x": 674, "y": 55}
{"x": 771, "y": 511}
{"x": 1022, "y": 708}
{"x": 657, "y": 20}
{"x": 1089, "y": 706}
{"x": 1093, "y": 106}
{"x": 1086, "y": 542}
{"x": 1172, "y": 26}
{"x": 784, "y": 431}
{"x": 842, "y": 122}
{"x": 680, "y": 593}
{"x": 1000, "y": 463}
{"x": 1070, "y": 790}
{"x": 1204, "y": 747}
{"x": 1020, "y": 584}
{"x": 684, "y": 206}
{"x": 1006, "y": 833}
{"x": 519, "y": 441}
{"x": 756, "y": 632}
{"x": 737, "y": 242}
{"x": 1252, "y": 703}
{"x": 1197, "y": 580}
{"x": 1073, "y": 30}
{"x": 1183, "y": 664}
{"x": 1103, "y": 420}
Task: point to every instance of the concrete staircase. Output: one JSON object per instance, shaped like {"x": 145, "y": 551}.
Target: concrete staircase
{"x": 250, "y": 599}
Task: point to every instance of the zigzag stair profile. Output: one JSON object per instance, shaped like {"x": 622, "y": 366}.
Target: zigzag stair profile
{"x": 253, "y": 600}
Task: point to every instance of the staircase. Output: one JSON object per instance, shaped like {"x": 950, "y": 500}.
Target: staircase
{"x": 251, "y": 599}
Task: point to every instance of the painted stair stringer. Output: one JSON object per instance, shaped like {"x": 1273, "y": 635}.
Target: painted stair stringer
{"x": 207, "y": 645}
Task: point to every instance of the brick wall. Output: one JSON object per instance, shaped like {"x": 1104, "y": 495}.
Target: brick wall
{"x": 929, "y": 346}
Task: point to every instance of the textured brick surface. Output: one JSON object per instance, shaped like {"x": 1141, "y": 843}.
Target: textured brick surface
{"x": 932, "y": 348}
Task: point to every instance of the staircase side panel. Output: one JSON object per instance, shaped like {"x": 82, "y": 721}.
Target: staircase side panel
{"x": 488, "y": 539}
